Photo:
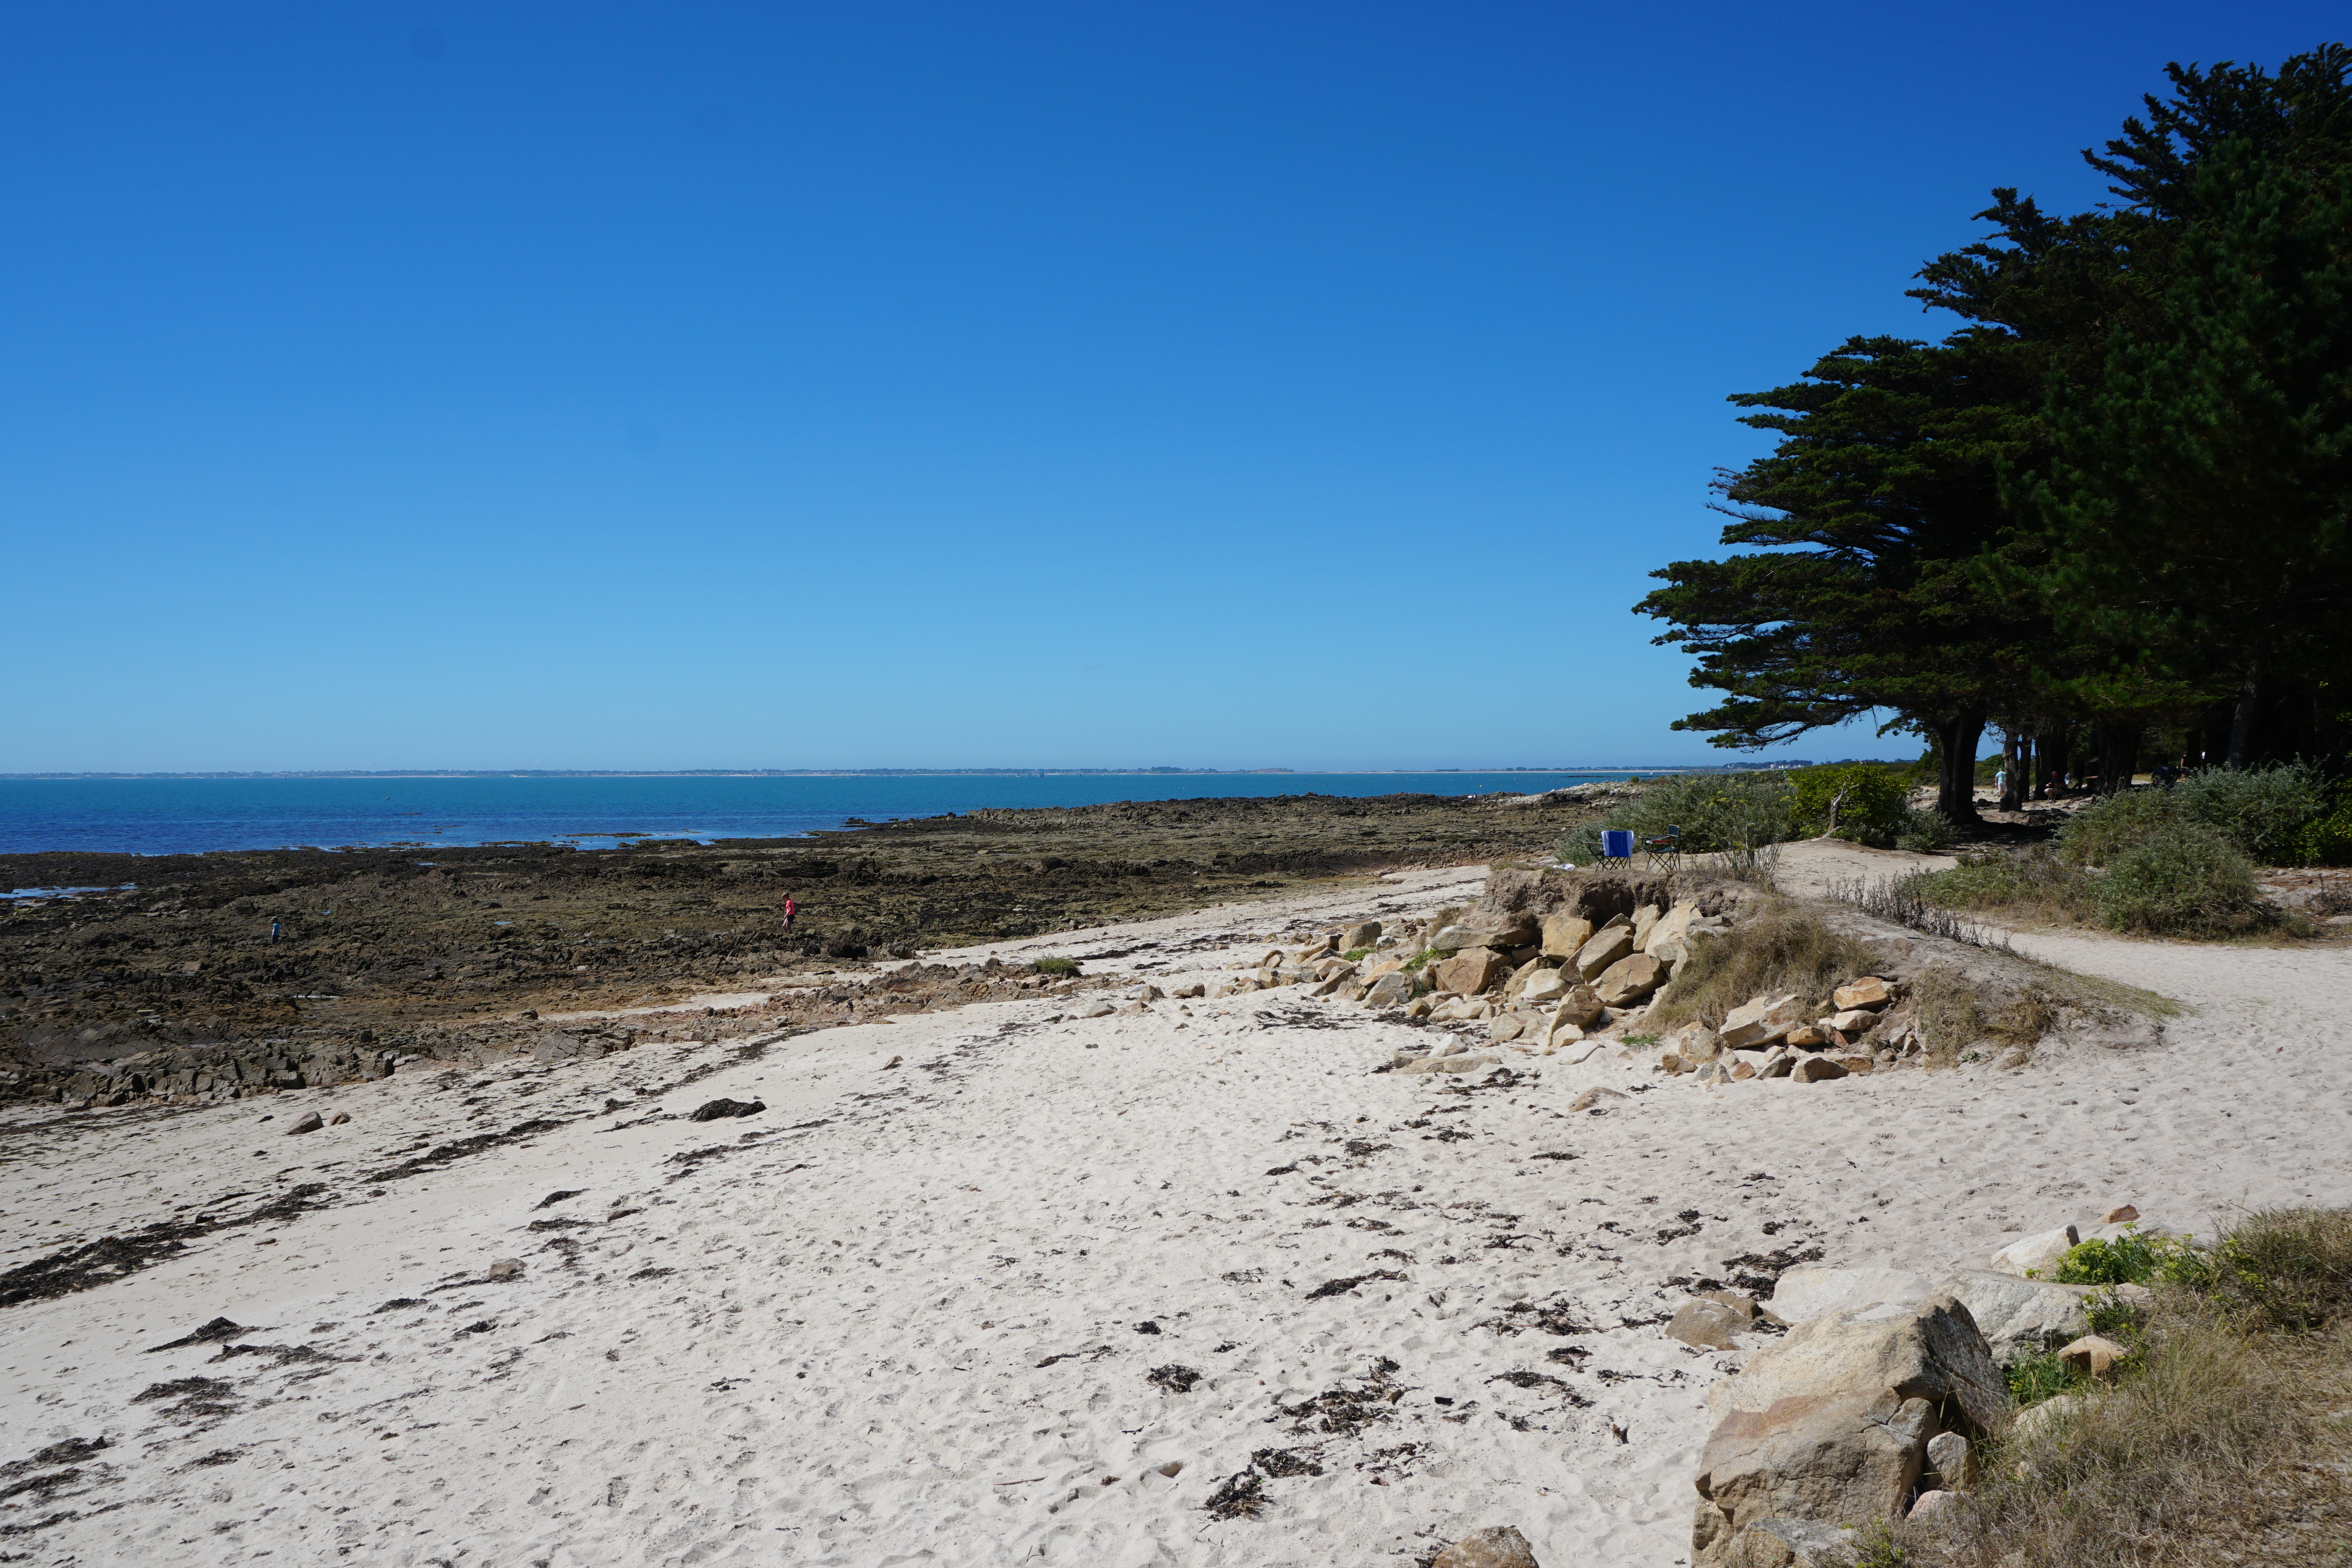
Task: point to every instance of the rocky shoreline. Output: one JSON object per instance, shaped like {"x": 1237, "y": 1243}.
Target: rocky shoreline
{"x": 171, "y": 988}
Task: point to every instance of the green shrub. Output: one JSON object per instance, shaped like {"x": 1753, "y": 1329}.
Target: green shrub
{"x": 2327, "y": 841}
{"x": 2032, "y": 881}
{"x": 1733, "y": 813}
{"x": 2262, "y": 810}
{"x": 2265, "y": 813}
{"x": 2040, "y": 1377}
{"x": 1870, "y": 803}
{"x": 2183, "y": 879}
{"x": 1924, "y": 832}
{"x": 2279, "y": 1268}
{"x": 1056, "y": 966}
{"x": 2109, "y": 826}
{"x": 2130, "y": 1259}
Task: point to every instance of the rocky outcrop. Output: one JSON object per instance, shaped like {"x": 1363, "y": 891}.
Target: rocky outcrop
{"x": 1498, "y": 1546}
{"x": 2020, "y": 1319}
{"x": 1830, "y": 1428}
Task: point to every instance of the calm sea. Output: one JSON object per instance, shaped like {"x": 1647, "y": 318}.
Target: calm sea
{"x": 189, "y": 816}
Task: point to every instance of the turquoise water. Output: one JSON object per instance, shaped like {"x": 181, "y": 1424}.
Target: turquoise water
{"x": 190, "y": 816}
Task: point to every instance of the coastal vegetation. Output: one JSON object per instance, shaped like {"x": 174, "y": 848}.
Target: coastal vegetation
{"x": 2105, "y": 515}
{"x": 2220, "y": 1436}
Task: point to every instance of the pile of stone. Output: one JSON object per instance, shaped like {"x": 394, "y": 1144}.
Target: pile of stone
{"x": 1328, "y": 962}
{"x": 1849, "y": 1419}
{"x": 1543, "y": 979}
{"x": 1771, "y": 1037}
{"x": 1873, "y": 1406}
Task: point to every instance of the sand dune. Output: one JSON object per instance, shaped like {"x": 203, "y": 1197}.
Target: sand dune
{"x": 1033, "y": 1293}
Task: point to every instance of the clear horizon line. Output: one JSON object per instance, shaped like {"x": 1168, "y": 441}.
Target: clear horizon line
{"x": 61, "y": 774}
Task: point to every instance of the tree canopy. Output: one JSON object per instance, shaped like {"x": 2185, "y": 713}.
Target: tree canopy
{"x": 2111, "y": 503}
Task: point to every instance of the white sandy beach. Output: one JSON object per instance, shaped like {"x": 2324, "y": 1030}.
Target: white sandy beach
{"x": 900, "y": 1316}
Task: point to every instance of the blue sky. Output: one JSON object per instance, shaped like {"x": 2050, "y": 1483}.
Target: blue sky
{"x": 960, "y": 384}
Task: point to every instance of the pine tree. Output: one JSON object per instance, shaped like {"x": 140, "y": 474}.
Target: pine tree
{"x": 2198, "y": 502}
{"x": 1867, "y": 523}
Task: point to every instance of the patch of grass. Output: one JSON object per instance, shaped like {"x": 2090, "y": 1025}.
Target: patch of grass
{"x": 2032, "y": 887}
{"x": 2285, "y": 1268}
{"x": 1900, "y": 901}
{"x": 2042, "y": 1378}
{"x": 1949, "y": 1017}
{"x": 2225, "y": 1439}
{"x": 1056, "y": 966}
{"x": 1356, "y": 954}
{"x": 1951, "y": 1011}
{"x": 1783, "y": 947}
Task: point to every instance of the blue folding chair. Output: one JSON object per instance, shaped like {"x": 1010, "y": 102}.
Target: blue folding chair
{"x": 1617, "y": 846}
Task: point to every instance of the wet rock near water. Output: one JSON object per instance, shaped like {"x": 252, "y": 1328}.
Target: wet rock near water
{"x": 171, "y": 989}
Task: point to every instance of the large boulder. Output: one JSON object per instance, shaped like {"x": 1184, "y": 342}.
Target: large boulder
{"x": 1469, "y": 971}
{"x": 1393, "y": 989}
{"x": 2035, "y": 1253}
{"x": 1610, "y": 943}
{"x": 1831, "y": 1426}
{"x": 555, "y": 1046}
{"x": 1762, "y": 1021}
{"x": 1670, "y": 927}
{"x": 1706, "y": 1324}
{"x": 1869, "y": 991}
{"x": 1497, "y": 1546}
{"x": 2019, "y": 1318}
{"x": 1696, "y": 1044}
{"x": 1366, "y": 933}
{"x": 1629, "y": 979}
{"x": 1645, "y": 920}
{"x": 1784, "y": 1543}
{"x": 1811, "y": 1291}
{"x": 1564, "y": 933}
{"x": 1478, "y": 929}
{"x": 1544, "y": 986}
{"x": 1582, "y": 1008}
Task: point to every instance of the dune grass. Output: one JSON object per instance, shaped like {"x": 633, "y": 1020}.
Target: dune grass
{"x": 1783, "y": 947}
{"x": 2226, "y": 1437}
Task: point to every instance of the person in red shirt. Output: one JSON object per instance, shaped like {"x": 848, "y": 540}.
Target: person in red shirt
{"x": 790, "y": 909}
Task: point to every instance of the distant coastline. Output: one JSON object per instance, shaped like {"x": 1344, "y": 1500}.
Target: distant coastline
{"x": 908, "y": 772}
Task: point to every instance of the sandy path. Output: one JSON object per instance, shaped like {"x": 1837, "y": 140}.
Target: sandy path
{"x": 895, "y": 1319}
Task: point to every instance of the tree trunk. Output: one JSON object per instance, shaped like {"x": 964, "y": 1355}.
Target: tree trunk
{"x": 2050, "y": 763}
{"x": 2013, "y": 770}
{"x": 1956, "y": 787}
{"x": 2213, "y": 738}
{"x": 2118, "y": 753}
{"x": 2246, "y": 725}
